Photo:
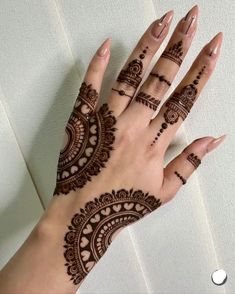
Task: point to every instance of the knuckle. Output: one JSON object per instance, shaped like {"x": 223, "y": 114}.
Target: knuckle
{"x": 123, "y": 86}
{"x": 125, "y": 138}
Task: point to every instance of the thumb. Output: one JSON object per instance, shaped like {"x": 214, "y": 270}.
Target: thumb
{"x": 180, "y": 168}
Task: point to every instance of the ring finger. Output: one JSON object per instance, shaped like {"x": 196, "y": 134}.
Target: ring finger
{"x": 176, "y": 108}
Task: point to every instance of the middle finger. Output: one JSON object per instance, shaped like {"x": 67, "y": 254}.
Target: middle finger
{"x": 158, "y": 82}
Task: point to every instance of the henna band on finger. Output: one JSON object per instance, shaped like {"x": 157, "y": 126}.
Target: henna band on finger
{"x": 161, "y": 78}
{"x": 122, "y": 93}
{"x": 194, "y": 160}
{"x": 174, "y": 53}
{"x": 147, "y": 100}
{"x": 183, "y": 180}
{"x": 132, "y": 75}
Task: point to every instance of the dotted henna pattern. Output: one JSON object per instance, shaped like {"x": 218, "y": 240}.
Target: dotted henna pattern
{"x": 179, "y": 105}
{"x": 94, "y": 227}
{"x": 87, "y": 143}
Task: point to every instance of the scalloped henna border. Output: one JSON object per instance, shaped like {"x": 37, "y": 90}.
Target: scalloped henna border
{"x": 74, "y": 261}
{"x": 105, "y": 146}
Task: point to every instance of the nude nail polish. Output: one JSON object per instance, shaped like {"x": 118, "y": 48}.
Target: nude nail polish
{"x": 102, "y": 51}
{"x": 215, "y": 44}
{"x": 189, "y": 21}
{"x": 161, "y": 24}
{"x": 215, "y": 143}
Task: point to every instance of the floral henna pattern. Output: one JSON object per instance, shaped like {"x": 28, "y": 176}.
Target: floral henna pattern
{"x": 87, "y": 143}
{"x": 92, "y": 229}
{"x": 179, "y": 105}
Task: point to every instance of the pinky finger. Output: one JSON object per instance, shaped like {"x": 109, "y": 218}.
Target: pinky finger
{"x": 180, "y": 168}
{"x": 90, "y": 88}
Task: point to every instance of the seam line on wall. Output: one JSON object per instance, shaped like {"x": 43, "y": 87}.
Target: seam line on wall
{"x": 21, "y": 153}
{"x": 139, "y": 259}
{"x": 67, "y": 40}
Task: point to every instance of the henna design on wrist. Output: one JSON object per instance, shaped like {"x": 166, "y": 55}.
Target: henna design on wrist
{"x": 161, "y": 78}
{"x": 194, "y": 160}
{"x": 122, "y": 93}
{"x": 132, "y": 75}
{"x": 147, "y": 100}
{"x": 87, "y": 144}
{"x": 174, "y": 53}
{"x": 183, "y": 180}
{"x": 179, "y": 104}
{"x": 92, "y": 229}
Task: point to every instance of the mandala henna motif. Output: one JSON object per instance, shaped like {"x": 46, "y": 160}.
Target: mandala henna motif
{"x": 87, "y": 143}
{"x": 179, "y": 104}
{"x": 147, "y": 100}
{"x": 174, "y": 53}
{"x": 132, "y": 75}
{"x": 92, "y": 229}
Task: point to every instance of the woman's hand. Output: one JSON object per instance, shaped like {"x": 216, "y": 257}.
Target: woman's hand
{"x": 111, "y": 168}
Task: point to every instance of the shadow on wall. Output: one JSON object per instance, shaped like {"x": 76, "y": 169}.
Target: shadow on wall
{"x": 43, "y": 156}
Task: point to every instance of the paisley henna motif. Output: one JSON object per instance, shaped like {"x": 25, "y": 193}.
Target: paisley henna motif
{"x": 92, "y": 229}
{"x": 87, "y": 143}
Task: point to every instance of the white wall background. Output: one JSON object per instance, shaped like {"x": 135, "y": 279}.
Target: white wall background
{"x": 45, "y": 47}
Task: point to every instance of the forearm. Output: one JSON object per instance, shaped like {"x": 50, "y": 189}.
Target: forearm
{"x": 38, "y": 266}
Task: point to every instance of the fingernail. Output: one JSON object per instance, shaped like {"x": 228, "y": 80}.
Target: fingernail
{"x": 215, "y": 143}
{"x": 189, "y": 21}
{"x": 215, "y": 44}
{"x": 104, "y": 48}
{"x": 161, "y": 24}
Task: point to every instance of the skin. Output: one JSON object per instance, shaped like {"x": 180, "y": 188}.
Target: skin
{"x": 39, "y": 265}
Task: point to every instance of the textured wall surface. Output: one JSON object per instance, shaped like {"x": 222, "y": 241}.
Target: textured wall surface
{"x": 45, "y": 48}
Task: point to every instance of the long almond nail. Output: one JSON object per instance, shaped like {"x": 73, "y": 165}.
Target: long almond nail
{"x": 161, "y": 24}
{"x": 189, "y": 21}
{"x": 104, "y": 48}
{"x": 215, "y": 44}
{"x": 215, "y": 143}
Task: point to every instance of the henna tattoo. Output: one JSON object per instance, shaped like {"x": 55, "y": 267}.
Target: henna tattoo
{"x": 132, "y": 75}
{"x": 94, "y": 227}
{"x": 161, "y": 78}
{"x": 122, "y": 93}
{"x": 147, "y": 100}
{"x": 174, "y": 53}
{"x": 87, "y": 143}
{"x": 194, "y": 160}
{"x": 183, "y": 180}
{"x": 179, "y": 104}
{"x": 87, "y": 99}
